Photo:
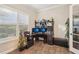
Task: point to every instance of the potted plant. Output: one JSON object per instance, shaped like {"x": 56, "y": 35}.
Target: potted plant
{"x": 22, "y": 41}
{"x": 67, "y": 29}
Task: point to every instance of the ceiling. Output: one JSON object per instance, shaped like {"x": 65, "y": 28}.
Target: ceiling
{"x": 5, "y": 12}
{"x": 36, "y": 7}
{"x": 43, "y": 6}
{"x": 24, "y": 7}
{"x": 76, "y": 10}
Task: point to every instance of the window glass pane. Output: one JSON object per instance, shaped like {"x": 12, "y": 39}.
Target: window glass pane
{"x": 8, "y": 20}
{"x": 76, "y": 25}
{"x": 23, "y": 22}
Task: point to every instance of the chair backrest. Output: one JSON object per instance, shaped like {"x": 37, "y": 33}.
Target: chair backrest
{"x": 26, "y": 33}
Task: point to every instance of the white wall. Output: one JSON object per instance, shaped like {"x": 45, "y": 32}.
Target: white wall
{"x": 60, "y": 15}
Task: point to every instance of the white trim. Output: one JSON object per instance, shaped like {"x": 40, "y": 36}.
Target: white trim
{"x": 74, "y": 50}
{"x": 71, "y": 26}
{"x": 17, "y": 26}
{"x": 71, "y": 48}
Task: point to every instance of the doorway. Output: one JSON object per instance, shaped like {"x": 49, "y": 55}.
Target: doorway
{"x": 74, "y": 28}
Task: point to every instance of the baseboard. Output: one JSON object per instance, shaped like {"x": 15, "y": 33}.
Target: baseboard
{"x": 8, "y": 51}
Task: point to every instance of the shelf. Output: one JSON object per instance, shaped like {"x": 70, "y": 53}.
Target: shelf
{"x": 76, "y": 34}
{"x": 76, "y": 41}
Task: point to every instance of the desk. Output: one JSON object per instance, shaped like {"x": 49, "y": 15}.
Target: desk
{"x": 37, "y": 35}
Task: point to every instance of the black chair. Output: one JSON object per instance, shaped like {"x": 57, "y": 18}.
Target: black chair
{"x": 29, "y": 39}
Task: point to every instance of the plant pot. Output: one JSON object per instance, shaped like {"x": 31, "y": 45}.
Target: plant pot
{"x": 21, "y": 49}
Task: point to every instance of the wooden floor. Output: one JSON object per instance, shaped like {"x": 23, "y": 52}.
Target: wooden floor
{"x": 41, "y": 48}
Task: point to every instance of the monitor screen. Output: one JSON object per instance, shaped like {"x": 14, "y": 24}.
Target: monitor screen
{"x": 43, "y": 29}
{"x": 35, "y": 30}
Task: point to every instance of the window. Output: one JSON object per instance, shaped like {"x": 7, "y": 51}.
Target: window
{"x": 23, "y": 22}
{"x": 8, "y": 20}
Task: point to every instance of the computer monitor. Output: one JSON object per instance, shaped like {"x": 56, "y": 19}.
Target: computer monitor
{"x": 36, "y": 30}
{"x": 43, "y": 29}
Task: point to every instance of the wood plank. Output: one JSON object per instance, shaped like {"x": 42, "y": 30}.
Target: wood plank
{"x": 41, "y": 48}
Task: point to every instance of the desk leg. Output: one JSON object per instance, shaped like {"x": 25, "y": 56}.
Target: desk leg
{"x": 45, "y": 40}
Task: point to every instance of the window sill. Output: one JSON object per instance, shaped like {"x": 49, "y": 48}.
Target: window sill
{"x": 4, "y": 40}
